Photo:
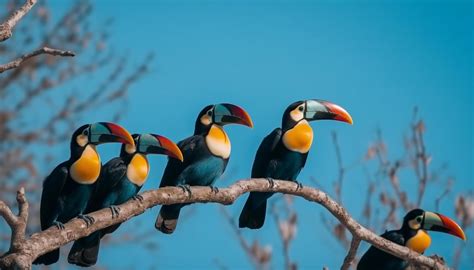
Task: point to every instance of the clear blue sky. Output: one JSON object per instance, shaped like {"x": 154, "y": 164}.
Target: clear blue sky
{"x": 378, "y": 59}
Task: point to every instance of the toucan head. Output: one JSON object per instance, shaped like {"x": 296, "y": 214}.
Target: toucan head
{"x": 313, "y": 109}
{"x": 152, "y": 144}
{"x": 221, "y": 114}
{"x": 98, "y": 133}
{"x": 419, "y": 219}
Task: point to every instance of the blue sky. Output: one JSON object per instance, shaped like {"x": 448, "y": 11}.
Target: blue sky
{"x": 377, "y": 59}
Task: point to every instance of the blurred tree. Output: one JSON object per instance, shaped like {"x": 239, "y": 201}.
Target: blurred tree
{"x": 32, "y": 117}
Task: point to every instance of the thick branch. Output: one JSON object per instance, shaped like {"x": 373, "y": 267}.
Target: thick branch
{"x": 50, "y": 239}
{"x": 45, "y": 50}
{"x": 7, "y": 26}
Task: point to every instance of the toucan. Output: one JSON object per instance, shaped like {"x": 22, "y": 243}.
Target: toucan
{"x": 120, "y": 180}
{"x": 206, "y": 154}
{"x": 413, "y": 234}
{"x": 282, "y": 154}
{"x": 67, "y": 190}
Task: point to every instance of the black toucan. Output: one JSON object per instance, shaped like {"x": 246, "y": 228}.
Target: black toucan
{"x": 120, "y": 180}
{"x": 206, "y": 154}
{"x": 412, "y": 235}
{"x": 282, "y": 154}
{"x": 67, "y": 190}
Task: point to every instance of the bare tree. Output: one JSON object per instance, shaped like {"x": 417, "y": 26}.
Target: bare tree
{"x": 40, "y": 91}
{"x": 385, "y": 207}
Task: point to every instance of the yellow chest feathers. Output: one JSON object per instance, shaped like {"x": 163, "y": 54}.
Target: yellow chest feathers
{"x": 218, "y": 142}
{"x": 86, "y": 169}
{"x": 420, "y": 242}
{"x": 299, "y": 138}
{"x": 138, "y": 169}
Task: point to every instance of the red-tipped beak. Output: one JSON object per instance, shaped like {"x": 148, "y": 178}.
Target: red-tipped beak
{"x": 441, "y": 223}
{"x": 340, "y": 114}
{"x": 169, "y": 147}
{"x": 226, "y": 113}
{"x": 104, "y": 132}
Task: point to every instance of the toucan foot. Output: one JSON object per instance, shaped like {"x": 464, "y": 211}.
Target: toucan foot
{"x": 115, "y": 211}
{"x": 87, "y": 219}
{"x": 138, "y": 197}
{"x": 298, "y": 185}
{"x": 59, "y": 225}
{"x": 271, "y": 182}
{"x": 187, "y": 189}
{"x": 214, "y": 189}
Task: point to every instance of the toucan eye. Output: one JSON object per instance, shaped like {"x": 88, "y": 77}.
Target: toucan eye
{"x": 300, "y": 108}
{"x": 85, "y": 132}
{"x": 209, "y": 112}
{"x": 418, "y": 219}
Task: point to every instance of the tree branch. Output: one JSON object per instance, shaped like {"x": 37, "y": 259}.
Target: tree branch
{"x": 18, "y": 222}
{"x": 45, "y": 50}
{"x": 7, "y": 26}
{"x": 50, "y": 239}
{"x": 349, "y": 260}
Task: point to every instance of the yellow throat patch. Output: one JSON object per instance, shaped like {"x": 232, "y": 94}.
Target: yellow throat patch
{"x": 218, "y": 142}
{"x": 299, "y": 138}
{"x": 420, "y": 242}
{"x": 138, "y": 169}
{"x": 86, "y": 169}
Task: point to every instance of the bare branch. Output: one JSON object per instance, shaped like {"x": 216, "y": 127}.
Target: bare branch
{"x": 45, "y": 50}
{"x": 50, "y": 239}
{"x": 7, "y": 26}
{"x": 349, "y": 260}
{"x": 18, "y": 222}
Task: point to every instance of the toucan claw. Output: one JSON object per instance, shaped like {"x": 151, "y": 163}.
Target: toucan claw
{"x": 138, "y": 197}
{"x": 115, "y": 210}
{"x": 87, "y": 219}
{"x": 59, "y": 225}
{"x": 214, "y": 189}
{"x": 298, "y": 185}
{"x": 271, "y": 182}
{"x": 187, "y": 189}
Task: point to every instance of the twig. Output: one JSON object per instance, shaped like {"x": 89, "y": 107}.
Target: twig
{"x": 50, "y": 239}
{"x": 45, "y": 50}
{"x": 7, "y": 26}
{"x": 349, "y": 260}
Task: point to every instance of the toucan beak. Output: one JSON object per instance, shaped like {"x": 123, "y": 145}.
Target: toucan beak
{"x": 164, "y": 146}
{"x": 226, "y": 113}
{"x": 325, "y": 110}
{"x": 105, "y": 132}
{"x": 437, "y": 222}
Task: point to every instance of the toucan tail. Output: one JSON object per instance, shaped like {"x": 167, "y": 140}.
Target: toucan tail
{"x": 48, "y": 258}
{"x": 167, "y": 220}
{"x": 253, "y": 213}
{"x": 85, "y": 251}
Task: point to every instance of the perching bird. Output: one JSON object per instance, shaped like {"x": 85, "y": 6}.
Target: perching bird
{"x": 120, "y": 180}
{"x": 412, "y": 235}
{"x": 282, "y": 154}
{"x": 67, "y": 190}
{"x": 206, "y": 154}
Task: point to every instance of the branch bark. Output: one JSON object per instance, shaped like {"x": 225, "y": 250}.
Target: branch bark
{"x": 45, "y": 50}
{"x": 7, "y": 26}
{"x": 50, "y": 239}
{"x": 349, "y": 260}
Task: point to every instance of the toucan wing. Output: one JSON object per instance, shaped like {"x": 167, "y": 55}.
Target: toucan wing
{"x": 264, "y": 153}
{"x": 52, "y": 187}
{"x": 375, "y": 257}
{"x": 192, "y": 149}
{"x": 111, "y": 174}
